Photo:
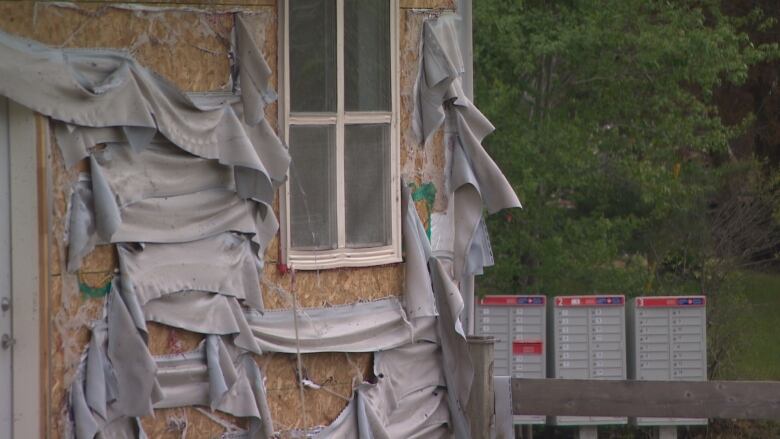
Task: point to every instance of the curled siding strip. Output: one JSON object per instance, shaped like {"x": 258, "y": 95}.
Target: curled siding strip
{"x": 175, "y": 219}
{"x": 213, "y": 375}
{"x": 474, "y": 176}
{"x": 115, "y": 382}
{"x": 360, "y": 327}
{"x": 225, "y": 264}
{"x": 407, "y": 401}
{"x": 217, "y": 376}
{"x": 176, "y": 174}
{"x": 254, "y": 75}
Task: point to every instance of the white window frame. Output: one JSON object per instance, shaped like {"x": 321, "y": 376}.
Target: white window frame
{"x": 342, "y": 256}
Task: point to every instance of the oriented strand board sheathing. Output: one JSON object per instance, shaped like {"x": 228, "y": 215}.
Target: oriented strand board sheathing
{"x": 181, "y": 423}
{"x": 167, "y": 340}
{"x": 333, "y": 371}
{"x": 331, "y": 287}
{"x": 188, "y": 48}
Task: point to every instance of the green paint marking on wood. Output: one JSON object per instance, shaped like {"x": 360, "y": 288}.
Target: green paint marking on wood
{"x": 425, "y": 192}
{"x": 95, "y": 292}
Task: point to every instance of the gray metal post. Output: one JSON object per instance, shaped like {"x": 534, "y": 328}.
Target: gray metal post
{"x": 465, "y": 29}
{"x": 480, "y": 408}
{"x": 466, "y": 45}
{"x": 667, "y": 432}
{"x": 588, "y": 432}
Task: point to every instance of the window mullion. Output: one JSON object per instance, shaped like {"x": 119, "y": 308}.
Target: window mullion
{"x": 340, "y": 196}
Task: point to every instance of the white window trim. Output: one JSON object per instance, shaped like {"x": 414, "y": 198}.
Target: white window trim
{"x": 342, "y": 256}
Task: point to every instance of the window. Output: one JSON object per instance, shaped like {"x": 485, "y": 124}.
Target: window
{"x": 341, "y": 201}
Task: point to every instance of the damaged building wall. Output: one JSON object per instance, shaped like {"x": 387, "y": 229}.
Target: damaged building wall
{"x": 189, "y": 46}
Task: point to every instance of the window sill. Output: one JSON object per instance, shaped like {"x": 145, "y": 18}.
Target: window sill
{"x": 343, "y": 258}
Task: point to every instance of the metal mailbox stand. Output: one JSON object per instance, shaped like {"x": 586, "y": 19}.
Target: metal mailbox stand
{"x": 518, "y": 324}
{"x": 668, "y": 342}
{"x": 588, "y": 341}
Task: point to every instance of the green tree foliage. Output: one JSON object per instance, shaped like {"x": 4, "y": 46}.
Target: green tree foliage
{"x": 608, "y": 131}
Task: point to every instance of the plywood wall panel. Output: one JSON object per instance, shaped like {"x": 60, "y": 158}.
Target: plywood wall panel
{"x": 335, "y": 372}
{"x": 331, "y": 287}
{"x": 188, "y": 48}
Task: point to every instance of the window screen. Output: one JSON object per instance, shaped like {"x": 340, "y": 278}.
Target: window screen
{"x": 313, "y": 187}
{"x": 313, "y": 55}
{"x": 366, "y": 55}
{"x": 367, "y": 174}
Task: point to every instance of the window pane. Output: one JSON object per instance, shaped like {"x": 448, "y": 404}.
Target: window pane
{"x": 312, "y": 55}
{"x": 313, "y": 187}
{"x": 367, "y": 185}
{"x": 367, "y": 55}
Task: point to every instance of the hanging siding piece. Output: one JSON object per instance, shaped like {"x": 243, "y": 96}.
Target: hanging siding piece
{"x": 115, "y": 382}
{"x": 81, "y": 236}
{"x": 418, "y": 296}
{"x": 142, "y": 189}
{"x": 407, "y": 401}
{"x": 254, "y": 75}
{"x": 181, "y": 218}
{"x": 361, "y": 327}
{"x": 214, "y": 375}
{"x": 474, "y": 177}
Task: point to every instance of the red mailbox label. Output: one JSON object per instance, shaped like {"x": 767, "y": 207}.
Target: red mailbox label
{"x": 498, "y": 300}
{"x": 527, "y": 347}
{"x": 670, "y": 301}
{"x": 590, "y": 300}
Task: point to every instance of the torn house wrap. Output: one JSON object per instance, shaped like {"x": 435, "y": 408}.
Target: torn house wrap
{"x": 174, "y": 219}
{"x": 474, "y": 177}
{"x": 361, "y": 327}
{"x": 81, "y": 87}
{"x": 180, "y": 178}
{"x": 213, "y": 375}
{"x": 407, "y": 401}
{"x": 224, "y": 264}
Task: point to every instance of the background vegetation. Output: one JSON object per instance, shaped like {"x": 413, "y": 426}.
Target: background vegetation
{"x": 642, "y": 137}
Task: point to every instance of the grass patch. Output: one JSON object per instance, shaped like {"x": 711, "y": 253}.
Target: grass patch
{"x": 759, "y": 357}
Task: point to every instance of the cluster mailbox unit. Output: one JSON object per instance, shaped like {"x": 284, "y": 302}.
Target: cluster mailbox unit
{"x": 518, "y": 324}
{"x": 668, "y": 343}
{"x": 588, "y": 336}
